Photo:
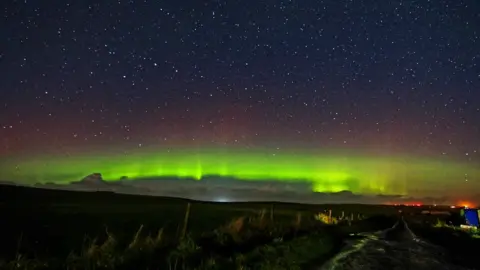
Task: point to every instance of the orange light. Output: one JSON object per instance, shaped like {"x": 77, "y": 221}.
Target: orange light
{"x": 465, "y": 204}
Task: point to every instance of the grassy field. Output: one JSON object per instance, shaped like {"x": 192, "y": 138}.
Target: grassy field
{"x": 51, "y": 229}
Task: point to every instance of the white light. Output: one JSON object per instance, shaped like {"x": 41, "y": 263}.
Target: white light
{"x": 221, "y": 199}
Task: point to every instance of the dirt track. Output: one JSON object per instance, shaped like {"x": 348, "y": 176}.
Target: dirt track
{"x": 394, "y": 248}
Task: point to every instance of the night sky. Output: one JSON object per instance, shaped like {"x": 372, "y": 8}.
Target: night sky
{"x": 122, "y": 79}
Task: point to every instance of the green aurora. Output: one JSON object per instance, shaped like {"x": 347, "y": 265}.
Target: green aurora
{"x": 328, "y": 172}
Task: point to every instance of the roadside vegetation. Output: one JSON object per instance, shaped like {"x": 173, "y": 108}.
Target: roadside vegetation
{"x": 243, "y": 243}
{"x": 461, "y": 244}
{"x": 471, "y": 231}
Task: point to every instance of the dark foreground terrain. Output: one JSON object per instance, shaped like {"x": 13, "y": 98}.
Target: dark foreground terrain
{"x": 394, "y": 248}
{"x": 459, "y": 246}
{"x": 52, "y": 229}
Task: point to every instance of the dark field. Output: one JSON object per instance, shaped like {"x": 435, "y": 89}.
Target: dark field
{"x": 51, "y": 229}
{"x": 460, "y": 246}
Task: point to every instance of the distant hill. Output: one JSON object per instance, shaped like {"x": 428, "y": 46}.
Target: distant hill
{"x": 22, "y": 195}
{"x": 8, "y": 183}
{"x": 35, "y": 195}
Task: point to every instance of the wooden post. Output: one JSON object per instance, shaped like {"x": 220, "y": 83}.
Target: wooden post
{"x": 299, "y": 220}
{"x": 185, "y": 221}
{"x": 271, "y": 212}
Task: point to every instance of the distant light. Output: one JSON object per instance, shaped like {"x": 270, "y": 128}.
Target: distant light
{"x": 465, "y": 204}
{"x": 222, "y": 199}
{"x": 453, "y": 206}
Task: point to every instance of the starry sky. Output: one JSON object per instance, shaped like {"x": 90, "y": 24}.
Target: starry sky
{"x": 118, "y": 78}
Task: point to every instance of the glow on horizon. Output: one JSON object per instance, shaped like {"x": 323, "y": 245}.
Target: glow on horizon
{"x": 326, "y": 173}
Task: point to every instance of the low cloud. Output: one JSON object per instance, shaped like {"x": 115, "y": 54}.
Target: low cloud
{"x": 231, "y": 189}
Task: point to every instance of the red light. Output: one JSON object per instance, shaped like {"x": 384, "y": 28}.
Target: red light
{"x": 465, "y": 204}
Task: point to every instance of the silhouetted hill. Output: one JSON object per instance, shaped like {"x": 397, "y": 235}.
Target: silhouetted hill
{"x": 39, "y": 197}
{"x": 29, "y": 195}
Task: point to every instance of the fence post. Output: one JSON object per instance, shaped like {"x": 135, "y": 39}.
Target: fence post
{"x": 185, "y": 221}
{"x": 272, "y": 208}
